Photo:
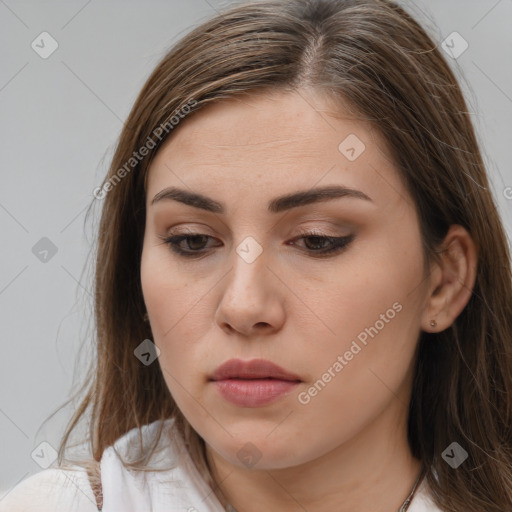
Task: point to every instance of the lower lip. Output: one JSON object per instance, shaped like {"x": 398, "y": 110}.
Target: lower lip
{"x": 255, "y": 392}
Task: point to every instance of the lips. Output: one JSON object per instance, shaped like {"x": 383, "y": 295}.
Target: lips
{"x": 253, "y": 369}
{"x": 254, "y": 383}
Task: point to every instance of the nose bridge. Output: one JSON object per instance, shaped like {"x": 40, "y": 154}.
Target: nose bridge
{"x": 249, "y": 299}
{"x": 249, "y": 271}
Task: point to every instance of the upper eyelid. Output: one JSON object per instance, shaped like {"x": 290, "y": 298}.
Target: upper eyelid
{"x": 305, "y": 232}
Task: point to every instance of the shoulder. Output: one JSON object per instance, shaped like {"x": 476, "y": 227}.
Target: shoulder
{"x": 51, "y": 490}
{"x": 167, "y": 477}
{"x": 60, "y": 489}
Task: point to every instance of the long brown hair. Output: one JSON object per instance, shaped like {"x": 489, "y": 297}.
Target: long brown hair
{"x": 374, "y": 57}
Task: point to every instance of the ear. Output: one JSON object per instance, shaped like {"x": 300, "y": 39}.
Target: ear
{"x": 451, "y": 281}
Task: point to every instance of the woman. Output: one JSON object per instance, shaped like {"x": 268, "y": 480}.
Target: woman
{"x": 303, "y": 287}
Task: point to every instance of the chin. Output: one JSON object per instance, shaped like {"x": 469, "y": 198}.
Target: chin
{"x": 260, "y": 451}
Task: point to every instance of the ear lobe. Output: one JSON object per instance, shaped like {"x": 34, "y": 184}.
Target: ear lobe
{"x": 452, "y": 280}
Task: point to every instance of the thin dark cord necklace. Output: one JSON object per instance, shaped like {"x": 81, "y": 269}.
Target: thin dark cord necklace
{"x": 407, "y": 502}
{"x": 403, "y": 507}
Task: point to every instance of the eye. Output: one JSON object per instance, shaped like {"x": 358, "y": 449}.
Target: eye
{"x": 321, "y": 245}
{"x": 194, "y": 242}
{"x": 316, "y": 243}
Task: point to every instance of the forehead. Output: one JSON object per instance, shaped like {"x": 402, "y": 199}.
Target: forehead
{"x": 275, "y": 143}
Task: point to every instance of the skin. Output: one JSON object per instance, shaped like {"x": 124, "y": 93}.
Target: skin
{"x": 346, "y": 449}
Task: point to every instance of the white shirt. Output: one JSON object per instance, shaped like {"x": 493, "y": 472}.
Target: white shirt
{"x": 180, "y": 489}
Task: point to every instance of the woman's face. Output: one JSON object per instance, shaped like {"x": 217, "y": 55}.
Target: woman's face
{"x": 256, "y": 280}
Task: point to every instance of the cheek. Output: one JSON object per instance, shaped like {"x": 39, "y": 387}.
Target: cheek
{"x": 367, "y": 282}
{"x": 165, "y": 296}
{"x": 179, "y": 317}
{"x": 168, "y": 292}
{"x": 373, "y": 314}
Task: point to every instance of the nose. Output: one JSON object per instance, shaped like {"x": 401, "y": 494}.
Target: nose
{"x": 252, "y": 301}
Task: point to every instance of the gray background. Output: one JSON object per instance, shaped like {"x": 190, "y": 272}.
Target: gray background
{"x": 60, "y": 119}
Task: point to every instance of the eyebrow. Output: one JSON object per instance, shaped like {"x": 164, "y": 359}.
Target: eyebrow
{"x": 279, "y": 204}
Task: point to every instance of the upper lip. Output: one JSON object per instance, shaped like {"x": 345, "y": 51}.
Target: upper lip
{"x": 253, "y": 369}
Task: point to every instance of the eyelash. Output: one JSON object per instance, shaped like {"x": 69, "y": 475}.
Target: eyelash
{"x": 339, "y": 243}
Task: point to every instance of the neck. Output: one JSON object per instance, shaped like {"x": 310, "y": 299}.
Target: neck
{"x": 373, "y": 471}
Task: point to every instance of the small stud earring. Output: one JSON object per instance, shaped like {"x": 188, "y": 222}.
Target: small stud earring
{"x": 433, "y": 323}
